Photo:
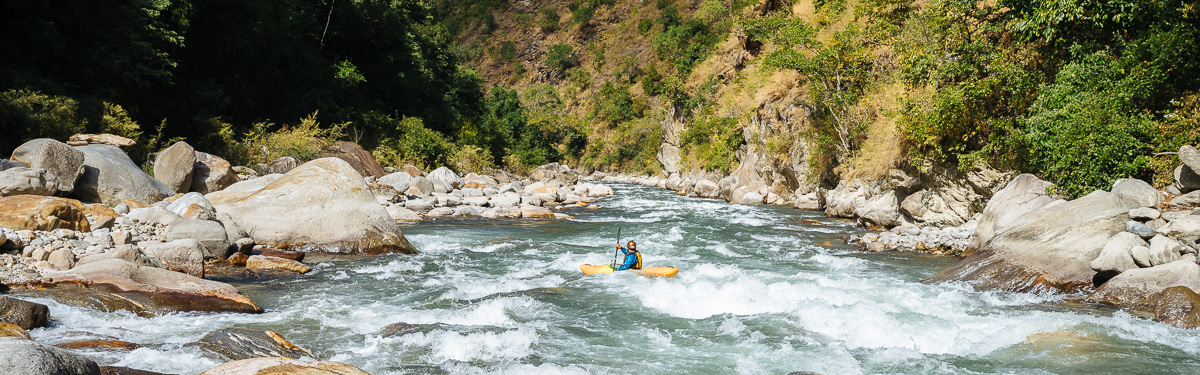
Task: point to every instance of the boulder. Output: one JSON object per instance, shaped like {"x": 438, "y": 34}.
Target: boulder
{"x": 412, "y": 170}
{"x": 1024, "y": 194}
{"x": 1144, "y": 214}
{"x": 126, "y": 252}
{"x": 1139, "y": 229}
{"x": 210, "y": 234}
{"x": 283, "y": 366}
{"x": 100, "y": 344}
{"x": 422, "y": 185}
{"x": 749, "y": 198}
{"x": 1137, "y": 192}
{"x": 193, "y": 206}
{"x": 505, "y": 200}
{"x": 1187, "y": 200}
{"x": 270, "y": 263}
{"x": 534, "y": 212}
{"x": 1049, "y": 249}
{"x": 26, "y": 357}
{"x": 1185, "y": 228}
{"x": 1136, "y": 287}
{"x": 1116, "y": 255}
{"x": 241, "y": 343}
{"x": 1190, "y": 157}
{"x": 845, "y": 198}
{"x": 283, "y": 164}
{"x": 1178, "y": 306}
{"x": 61, "y": 160}
{"x": 104, "y": 139}
{"x": 153, "y": 215}
{"x": 554, "y": 171}
{"x": 116, "y": 284}
{"x": 1162, "y": 250}
{"x": 507, "y": 212}
{"x": 26, "y": 181}
{"x": 323, "y": 206}
{"x": 446, "y": 176}
{"x": 110, "y": 177}
{"x": 466, "y": 211}
{"x": 399, "y": 213}
{"x": 33, "y": 212}
{"x": 174, "y": 165}
{"x": 398, "y": 181}
{"x": 181, "y": 255}
{"x": 62, "y": 259}
{"x": 418, "y": 205}
{"x": 881, "y": 211}
{"x": 355, "y": 156}
{"x": 211, "y": 173}
{"x": 24, "y": 314}
{"x": 440, "y": 212}
{"x": 1186, "y": 179}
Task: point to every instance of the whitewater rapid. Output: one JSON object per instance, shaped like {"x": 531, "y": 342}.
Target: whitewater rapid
{"x": 757, "y": 292}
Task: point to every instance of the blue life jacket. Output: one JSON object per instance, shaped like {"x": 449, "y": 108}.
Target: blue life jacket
{"x": 633, "y": 260}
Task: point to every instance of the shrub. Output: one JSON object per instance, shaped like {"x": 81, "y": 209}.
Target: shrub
{"x": 645, "y": 25}
{"x": 27, "y": 114}
{"x": 547, "y": 19}
{"x": 614, "y": 104}
{"x": 561, "y": 57}
{"x": 581, "y": 14}
{"x": 471, "y": 159}
{"x": 685, "y": 45}
{"x": 421, "y": 146}
{"x": 267, "y": 141}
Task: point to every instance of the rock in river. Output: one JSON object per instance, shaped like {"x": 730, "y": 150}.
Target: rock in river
{"x": 26, "y": 357}
{"x": 24, "y": 314}
{"x": 110, "y": 177}
{"x": 1047, "y": 249}
{"x": 322, "y": 206}
{"x": 240, "y": 343}
{"x": 1135, "y": 288}
{"x": 122, "y": 285}
{"x": 283, "y": 366}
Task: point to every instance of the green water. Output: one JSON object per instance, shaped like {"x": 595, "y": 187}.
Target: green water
{"x": 758, "y": 293}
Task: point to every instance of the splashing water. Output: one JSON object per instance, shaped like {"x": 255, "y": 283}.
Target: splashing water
{"x": 756, "y": 293}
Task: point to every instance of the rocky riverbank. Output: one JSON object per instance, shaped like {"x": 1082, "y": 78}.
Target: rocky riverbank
{"x": 82, "y": 223}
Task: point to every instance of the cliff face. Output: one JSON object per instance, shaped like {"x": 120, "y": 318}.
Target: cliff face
{"x": 780, "y": 154}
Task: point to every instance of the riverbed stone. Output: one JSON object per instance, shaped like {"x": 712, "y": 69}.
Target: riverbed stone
{"x": 1048, "y": 249}
{"x": 398, "y": 180}
{"x": 1024, "y": 194}
{"x": 173, "y": 166}
{"x": 241, "y": 343}
{"x": 33, "y": 212}
{"x": 27, "y": 181}
{"x": 1139, "y": 229}
{"x": 116, "y": 284}
{"x": 440, "y": 212}
{"x": 1144, "y": 214}
{"x": 57, "y": 158}
{"x": 282, "y": 366}
{"x": 103, "y": 138}
{"x": 211, "y": 173}
{"x": 1190, "y": 157}
{"x": 1136, "y": 287}
{"x": 182, "y": 255}
{"x": 61, "y": 259}
{"x": 1162, "y": 250}
{"x": 1185, "y": 228}
{"x": 22, "y": 313}
{"x": 1186, "y": 180}
{"x": 1186, "y": 201}
{"x": 26, "y": 357}
{"x": 355, "y": 156}
{"x": 400, "y": 213}
{"x": 880, "y": 211}
{"x": 1116, "y": 256}
{"x": 1178, "y": 306}
{"x": 321, "y": 206}
{"x": 110, "y": 177}
{"x": 210, "y": 234}
{"x": 1138, "y": 192}
{"x": 446, "y": 176}
{"x": 12, "y": 330}
{"x": 193, "y": 206}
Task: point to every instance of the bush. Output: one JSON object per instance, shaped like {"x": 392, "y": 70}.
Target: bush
{"x": 581, "y": 14}
{"x": 267, "y": 141}
{"x": 614, "y": 104}
{"x": 547, "y": 19}
{"x": 27, "y": 114}
{"x": 418, "y": 145}
{"x": 685, "y": 45}
{"x": 561, "y": 57}
{"x": 713, "y": 141}
{"x": 471, "y": 159}
{"x": 645, "y": 25}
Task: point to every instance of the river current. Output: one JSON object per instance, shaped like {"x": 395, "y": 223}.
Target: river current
{"x": 757, "y": 293}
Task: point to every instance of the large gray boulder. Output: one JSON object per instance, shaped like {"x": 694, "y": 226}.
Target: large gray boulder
{"x": 1190, "y": 157}
{"x": 110, "y": 177}
{"x": 211, "y": 173}
{"x": 398, "y": 181}
{"x": 1162, "y": 250}
{"x": 24, "y": 314}
{"x": 1049, "y": 249}
{"x": 322, "y": 206}
{"x": 1024, "y": 194}
{"x": 420, "y": 186}
{"x": 182, "y": 255}
{"x": 174, "y": 165}
{"x": 193, "y": 206}
{"x": 210, "y": 234}
{"x": 26, "y": 357}
{"x": 1186, "y": 179}
{"x": 1115, "y": 257}
{"x": 554, "y": 171}
{"x": 1133, "y": 288}
{"x": 61, "y": 160}
{"x": 843, "y": 200}
{"x": 1137, "y": 191}
{"x": 447, "y": 177}
{"x": 1186, "y": 228}
{"x": 882, "y": 210}
{"x": 27, "y": 181}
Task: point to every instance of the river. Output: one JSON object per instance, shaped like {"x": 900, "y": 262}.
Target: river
{"x": 757, "y": 293}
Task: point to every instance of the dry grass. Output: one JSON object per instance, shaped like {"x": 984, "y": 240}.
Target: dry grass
{"x": 883, "y": 148}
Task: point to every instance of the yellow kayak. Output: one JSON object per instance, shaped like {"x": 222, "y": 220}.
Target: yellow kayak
{"x": 590, "y": 269}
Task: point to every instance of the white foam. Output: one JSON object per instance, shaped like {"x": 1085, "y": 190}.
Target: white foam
{"x": 447, "y": 345}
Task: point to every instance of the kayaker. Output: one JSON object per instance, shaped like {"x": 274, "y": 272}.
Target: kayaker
{"x": 633, "y": 259}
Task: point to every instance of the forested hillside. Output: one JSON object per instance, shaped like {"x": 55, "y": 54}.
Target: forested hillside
{"x": 786, "y": 93}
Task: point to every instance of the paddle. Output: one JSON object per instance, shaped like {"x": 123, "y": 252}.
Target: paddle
{"x": 616, "y": 251}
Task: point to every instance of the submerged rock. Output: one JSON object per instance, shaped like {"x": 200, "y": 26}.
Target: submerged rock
{"x": 241, "y": 343}
{"x": 26, "y": 357}
{"x": 1178, "y": 306}
{"x": 321, "y": 206}
{"x": 282, "y": 366}
{"x": 146, "y": 290}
